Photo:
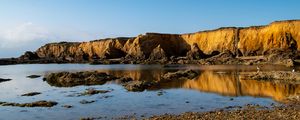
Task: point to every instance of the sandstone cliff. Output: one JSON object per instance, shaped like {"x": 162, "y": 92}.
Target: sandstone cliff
{"x": 248, "y": 41}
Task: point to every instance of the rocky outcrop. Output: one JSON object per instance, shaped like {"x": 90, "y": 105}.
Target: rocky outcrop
{"x": 195, "y": 53}
{"x": 248, "y": 41}
{"x": 158, "y": 54}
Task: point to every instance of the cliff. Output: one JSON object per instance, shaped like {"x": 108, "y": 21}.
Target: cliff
{"x": 248, "y": 41}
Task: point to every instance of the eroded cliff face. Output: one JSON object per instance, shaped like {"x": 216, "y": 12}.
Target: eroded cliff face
{"x": 108, "y": 48}
{"x": 250, "y": 41}
{"x": 277, "y": 35}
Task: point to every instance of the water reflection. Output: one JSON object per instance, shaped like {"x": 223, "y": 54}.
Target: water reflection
{"x": 228, "y": 83}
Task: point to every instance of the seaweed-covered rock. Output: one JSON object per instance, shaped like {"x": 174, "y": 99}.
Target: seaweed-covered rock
{"x": 33, "y": 104}
{"x": 68, "y": 79}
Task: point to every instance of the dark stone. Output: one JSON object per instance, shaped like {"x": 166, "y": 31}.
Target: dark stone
{"x": 28, "y": 55}
{"x": 4, "y": 80}
{"x": 33, "y": 104}
{"x": 33, "y": 76}
{"x": 31, "y": 94}
{"x": 86, "y": 102}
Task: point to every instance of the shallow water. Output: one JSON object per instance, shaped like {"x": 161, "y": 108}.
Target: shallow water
{"x": 216, "y": 87}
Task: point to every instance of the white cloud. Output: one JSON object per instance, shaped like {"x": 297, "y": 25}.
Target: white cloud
{"x": 22, "y": 35}
{"x": 29, "y": 36}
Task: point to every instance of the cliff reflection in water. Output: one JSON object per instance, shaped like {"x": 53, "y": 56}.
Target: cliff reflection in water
{"x": 230, "y": 84}
{"x": 223, "y": 83}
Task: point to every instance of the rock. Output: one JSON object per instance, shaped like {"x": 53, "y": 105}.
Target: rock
{"x": 124, "y": 79}
{"x": 273, "y": 75}
{"x": 93, "y": 91}
{"x": 4, "y": 80}
{"x": 28, "y": 55}
{"x": 195, "y": 53}
{"x": 33, "y": 76}
{"x": 158, "y": 54}
{"x": 67, "y": 79}
{"x": 160, "y": 93}
{"x": 281, "y": 57}
{"x": 67, "y": 106}
{"x": 138, "y": 85}
{"x": 86, "y": 102}
{"x": 33, "y": 104}
{"x": 181, "y": 74}
{"x": 105, "y": 96}
{"x": 112, "y": 52}
{"x": 288, "y": 62}
{"x": 31, "y": 94}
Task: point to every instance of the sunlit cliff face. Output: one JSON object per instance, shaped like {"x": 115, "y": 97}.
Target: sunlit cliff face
{"x": 248, "y": 41}
{"x": 224, "y": 83}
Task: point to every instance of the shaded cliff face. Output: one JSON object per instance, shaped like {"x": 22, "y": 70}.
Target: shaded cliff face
{"x": 248, "y": 41}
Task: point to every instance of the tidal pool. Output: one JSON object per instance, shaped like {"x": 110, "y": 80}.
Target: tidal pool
{"x": 216, "y": 87}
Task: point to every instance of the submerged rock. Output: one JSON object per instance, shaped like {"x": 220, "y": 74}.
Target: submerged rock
{"x": 33, "y": 104}
{"x": 31, "y": 94}
{"x": 182, "y": 74}
{"x": 68, "y": 79}
{"x": 4, "y": 80}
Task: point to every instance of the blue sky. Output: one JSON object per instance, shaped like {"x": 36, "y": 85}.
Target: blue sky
{"x": 28, "y": 24}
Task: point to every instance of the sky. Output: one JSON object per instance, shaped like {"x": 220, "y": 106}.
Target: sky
{"x": 25, "y": 25}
